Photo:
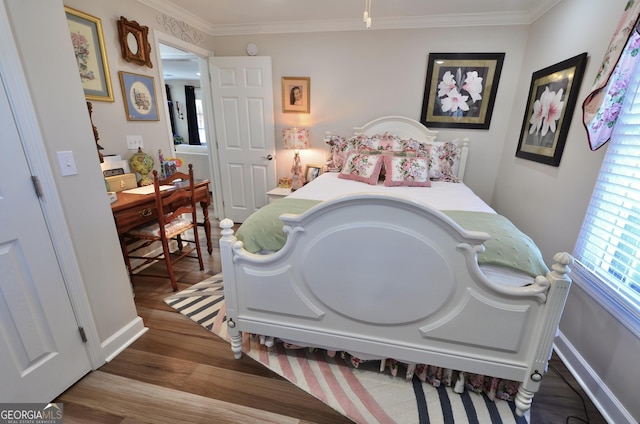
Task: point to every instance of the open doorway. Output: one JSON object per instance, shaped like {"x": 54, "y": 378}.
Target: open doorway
{"x": 186, "y": 107}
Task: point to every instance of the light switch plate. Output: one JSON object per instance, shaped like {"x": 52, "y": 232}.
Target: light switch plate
{"x": 67, "y": 163}
{"x": 134, "y": 141}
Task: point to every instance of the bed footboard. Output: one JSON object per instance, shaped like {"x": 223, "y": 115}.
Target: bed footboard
{"x": 385, "y": 276}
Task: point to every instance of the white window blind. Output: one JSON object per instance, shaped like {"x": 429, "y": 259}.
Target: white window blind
{"x": 609, "y": 241}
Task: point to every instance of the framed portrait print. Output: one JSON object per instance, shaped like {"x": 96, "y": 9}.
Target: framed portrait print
{"x": 552, "y": 98}
{"x": 88, "y": 45}
{"x": 296, "y": 95}
{"x": 139, "y": 95}
{"x": 460, "y": 89}
{"x": 134, "y": 42}
{"x": 312, "y": 172}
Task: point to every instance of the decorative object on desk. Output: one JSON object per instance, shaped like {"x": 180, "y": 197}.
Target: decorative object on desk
{"x": 161, "y": 162}
{"x": 461, "y": 89}
{"x": 88, "y": 46}
{"x": 121, "y": 182}
{"x": 169, "y": 168}
{"x": 284, "y": 182}
{"x": 552, "y": 98}
{"x": 296, "y": 139}
{"x": 296, "y": 94}
{"x": 134, "y": 42}
{"x": 312, "y": 172}
{"x": 142, "y": 163}
{"x": 139, "y": 94}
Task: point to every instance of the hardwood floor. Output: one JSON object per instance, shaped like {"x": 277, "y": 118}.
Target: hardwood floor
{"x": 178, "y": 372}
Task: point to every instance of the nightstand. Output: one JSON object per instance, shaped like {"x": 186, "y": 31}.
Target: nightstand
{"x": 278, "y": 193}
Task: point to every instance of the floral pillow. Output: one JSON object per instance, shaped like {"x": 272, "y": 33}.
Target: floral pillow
{"x": 406, "y": 171}
{"x": 362, "y": 167}
{"x": 339, "y": 151}
{"x": 444, "y": 161}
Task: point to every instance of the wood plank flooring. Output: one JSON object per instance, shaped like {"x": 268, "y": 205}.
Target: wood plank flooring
{"x": 178, "y": 372}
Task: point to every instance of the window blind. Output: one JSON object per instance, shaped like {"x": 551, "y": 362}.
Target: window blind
{"x": 609, "y": 241}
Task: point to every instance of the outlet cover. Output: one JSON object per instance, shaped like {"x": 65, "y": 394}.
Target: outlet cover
{"x": 134, "y": 141}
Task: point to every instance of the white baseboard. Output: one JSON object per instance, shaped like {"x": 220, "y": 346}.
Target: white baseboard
{"x": 123, "y": 338}
{"x": 606, "y": 402}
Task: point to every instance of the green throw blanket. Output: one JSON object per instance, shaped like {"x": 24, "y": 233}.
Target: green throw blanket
{"x": 508, "y": 246}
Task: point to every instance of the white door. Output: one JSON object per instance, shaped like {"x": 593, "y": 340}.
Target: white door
{"x": 242, "y": 96}
{"x": 41, "y": 351}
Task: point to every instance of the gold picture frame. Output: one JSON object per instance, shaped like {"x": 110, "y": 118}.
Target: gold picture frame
{"x": 312, "y": 172}
{"x": 134, "y": 42}
{"x": 296, "y": 95}
{"x": 88, "y": 45}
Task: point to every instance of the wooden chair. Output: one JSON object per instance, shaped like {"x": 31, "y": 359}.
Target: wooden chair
{"x": 176, "y": 208}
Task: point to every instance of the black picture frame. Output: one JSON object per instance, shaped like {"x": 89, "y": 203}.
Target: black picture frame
{"x": 543, "y": 139}
{"x": 471, "y": 105}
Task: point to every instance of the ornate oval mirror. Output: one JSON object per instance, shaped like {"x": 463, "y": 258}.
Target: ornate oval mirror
{"x": 134, "y": 42}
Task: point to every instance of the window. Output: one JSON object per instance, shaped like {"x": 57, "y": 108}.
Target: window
{"x": 200, "y": 117}
{"x": 609, "y": 242}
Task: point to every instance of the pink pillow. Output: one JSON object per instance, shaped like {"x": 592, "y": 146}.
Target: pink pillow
{"x": 406, "y": 171}
{"x": 362, "y": 167}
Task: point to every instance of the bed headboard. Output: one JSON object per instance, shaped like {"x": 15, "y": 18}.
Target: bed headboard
{"x": 408, "y": 128}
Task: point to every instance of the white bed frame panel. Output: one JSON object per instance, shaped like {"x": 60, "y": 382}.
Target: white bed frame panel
{"x": 383, "y": 275}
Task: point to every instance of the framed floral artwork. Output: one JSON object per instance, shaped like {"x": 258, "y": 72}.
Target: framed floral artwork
{"x": 550, "y": 104}
{"x": 88, "y": 45}
{"x": 296, "y": 94}
{"x": 139, "y": 94}
{"x": 460, "y": 89}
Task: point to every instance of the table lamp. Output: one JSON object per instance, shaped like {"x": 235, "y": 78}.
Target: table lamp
{"x": 296, "y": 139}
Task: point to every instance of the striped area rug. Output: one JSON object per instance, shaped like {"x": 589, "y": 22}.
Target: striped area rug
{"x": 362, "y": 394}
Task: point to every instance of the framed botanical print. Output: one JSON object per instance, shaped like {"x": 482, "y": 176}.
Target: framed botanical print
{"x": 88, "y": 45}
{"x": 460, "y": 89}
{"x": 552, "y": 98}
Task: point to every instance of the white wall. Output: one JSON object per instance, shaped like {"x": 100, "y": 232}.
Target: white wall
{"x": 42, "y": 38}
{"x": 357, "y": 76}
{"x": 549, "y": 203}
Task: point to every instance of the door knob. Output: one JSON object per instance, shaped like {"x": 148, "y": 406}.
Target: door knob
{"x": 268, "y": 157}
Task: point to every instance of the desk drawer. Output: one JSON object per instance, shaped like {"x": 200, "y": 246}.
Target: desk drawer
{"x": 131, "y": 218}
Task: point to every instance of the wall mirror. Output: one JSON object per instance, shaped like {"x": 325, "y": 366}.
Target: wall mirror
{"x": 134, "y": 42}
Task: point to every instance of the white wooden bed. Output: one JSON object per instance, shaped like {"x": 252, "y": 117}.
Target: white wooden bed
{"x": 388, "y": 276}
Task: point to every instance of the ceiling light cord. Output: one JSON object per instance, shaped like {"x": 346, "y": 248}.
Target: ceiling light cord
{"x": 366, "y": 17}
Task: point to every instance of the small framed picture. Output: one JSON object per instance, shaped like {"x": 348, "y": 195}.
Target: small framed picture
{"x": 296, "y": 95}
{"x": 139, "y": 94}
{"x": 313, "y": 171}
{"x": 170, "y": 168}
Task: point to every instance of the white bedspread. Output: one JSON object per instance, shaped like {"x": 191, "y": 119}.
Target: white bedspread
{"x": 441, "y": 195}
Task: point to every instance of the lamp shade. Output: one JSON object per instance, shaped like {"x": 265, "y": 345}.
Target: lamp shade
{"x": 295, "y": 138}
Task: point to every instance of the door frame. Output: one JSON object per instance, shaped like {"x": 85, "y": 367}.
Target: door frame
{"x": 205, "y": 85}
{"x": 17, "y": 89}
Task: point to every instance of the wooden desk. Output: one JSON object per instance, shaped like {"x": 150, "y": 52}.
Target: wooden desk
{"x": 131, "y": 210}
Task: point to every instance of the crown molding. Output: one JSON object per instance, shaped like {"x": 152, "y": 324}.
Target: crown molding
{"x": 412, "y": 22}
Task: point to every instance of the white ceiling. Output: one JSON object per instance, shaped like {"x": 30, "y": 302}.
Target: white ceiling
{"x": 234, "y": 17}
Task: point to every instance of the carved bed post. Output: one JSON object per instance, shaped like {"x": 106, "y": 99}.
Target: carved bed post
{"x": 559, "y": 284}
{"x": 228, "y": 272}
